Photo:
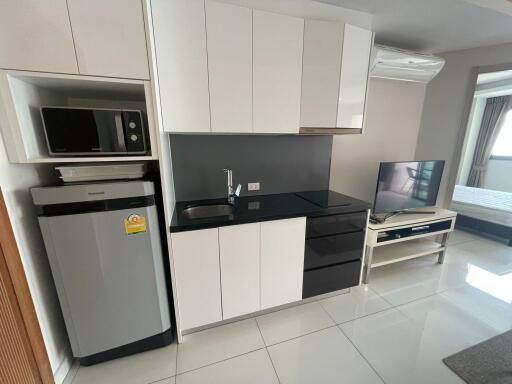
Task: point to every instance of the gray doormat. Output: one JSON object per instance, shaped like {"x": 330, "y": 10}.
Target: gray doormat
{"x": 489, "y": 362}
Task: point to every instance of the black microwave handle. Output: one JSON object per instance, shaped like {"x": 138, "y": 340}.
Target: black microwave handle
{"x": 120, "y": 131}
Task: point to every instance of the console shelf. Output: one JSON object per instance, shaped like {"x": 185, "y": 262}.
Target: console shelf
{"x": 411, "y": 249}
{"x": 407, "y": 237}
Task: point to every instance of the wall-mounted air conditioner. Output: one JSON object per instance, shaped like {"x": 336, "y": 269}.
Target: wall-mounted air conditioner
{"x": 398, "y": 64}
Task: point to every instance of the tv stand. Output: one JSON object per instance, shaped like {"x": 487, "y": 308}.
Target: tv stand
{"x": 380, "y": 220}
{"x": 405, "y": 237}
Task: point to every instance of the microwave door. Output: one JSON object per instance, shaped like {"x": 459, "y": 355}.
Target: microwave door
{"x": 120, "y": 134}
{"x": 70, "y": 131}
{"x": 74, "y": 131}
{"x": 107, "y": 130}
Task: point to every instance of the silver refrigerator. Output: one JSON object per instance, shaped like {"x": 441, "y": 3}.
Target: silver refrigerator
{"x": 105, "y": 252}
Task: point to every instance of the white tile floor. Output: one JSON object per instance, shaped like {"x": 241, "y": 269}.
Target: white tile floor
{"x": 395, "y": 330}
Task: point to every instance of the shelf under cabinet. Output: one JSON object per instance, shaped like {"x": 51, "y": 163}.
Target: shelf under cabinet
{"x": 394, "y": 253}
{"x": 92, "y": 159}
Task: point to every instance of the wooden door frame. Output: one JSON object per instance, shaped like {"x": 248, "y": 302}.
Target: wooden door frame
{"x": 19, "y": 281}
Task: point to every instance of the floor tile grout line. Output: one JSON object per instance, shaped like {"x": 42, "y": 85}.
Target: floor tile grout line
{"x": 273, "y": 366}
{"x": 362, "y": 355}
{"x": 162, "y": 379}
{"x": 365, "y": 316}
{"x": 220, "y": 361}
{"x": 298, "y": 337}
{"x": 358, "y": 317}
{"x": 268, "y": 353}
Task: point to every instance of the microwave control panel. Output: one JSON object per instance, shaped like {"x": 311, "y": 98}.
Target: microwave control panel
{"x": 134, "y": 131}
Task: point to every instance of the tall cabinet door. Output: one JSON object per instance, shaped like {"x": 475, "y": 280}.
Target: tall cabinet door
{"x": 240, "y": 269}
{"x": 229, "y": 41}
{"x": 282, "y": 261}
{"x": 197, "y": 274}
{"x": 109, "y": 37}
{"x": 355, "y": 62}
{"x": 180, "y": 44}
{"x": 36, "y": 35}
{"x": 277, "y": 71}
{"x": 323, "y": 42}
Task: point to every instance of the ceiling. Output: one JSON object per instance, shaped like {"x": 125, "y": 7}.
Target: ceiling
{"x": 436, "y": 25}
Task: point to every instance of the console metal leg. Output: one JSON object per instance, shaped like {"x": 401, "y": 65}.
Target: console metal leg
{"x": 367, "y": 265}
{"x": 444, "y": 240}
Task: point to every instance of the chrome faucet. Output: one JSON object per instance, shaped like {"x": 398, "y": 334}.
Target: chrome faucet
{"x": 231, "y": 193}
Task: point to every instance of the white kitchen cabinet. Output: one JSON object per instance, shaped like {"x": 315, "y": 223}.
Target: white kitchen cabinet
{"x": 180, "y": 45}
{"x": 355, "y": 61}
{"x": 277, "y": 70}
{"x": 109, "y": 38}
{"x": 229, "y": 42}
{"x": 36, "y": 35}
{"x": 323, "y": 41}
{"x": 240, "y": 269}
{"x": 197, "y": 276}
{"x": 282, "y": 261}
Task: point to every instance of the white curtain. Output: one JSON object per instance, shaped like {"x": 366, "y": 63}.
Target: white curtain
{"x": 492, "y": 121}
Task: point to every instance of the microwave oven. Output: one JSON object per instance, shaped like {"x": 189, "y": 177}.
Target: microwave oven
{"x": 74, "y": 131}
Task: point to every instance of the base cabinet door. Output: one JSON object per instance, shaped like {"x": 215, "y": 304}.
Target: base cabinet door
{"x": 282, "y": 261}
{"x": 197, "y": 275}
{"x": 240, "y": 269}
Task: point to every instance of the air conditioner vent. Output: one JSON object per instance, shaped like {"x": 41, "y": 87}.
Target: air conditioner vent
{"x": 398, "y": 64}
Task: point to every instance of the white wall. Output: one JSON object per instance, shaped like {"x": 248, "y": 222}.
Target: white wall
{"x": 15, "y": 181}
{"x": 442, "y": 126}
{"x": 391, "y": 130}
{"x": 499, "y": 175}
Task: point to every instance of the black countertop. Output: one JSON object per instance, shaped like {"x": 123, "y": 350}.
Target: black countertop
{"x": 264, "y": 208}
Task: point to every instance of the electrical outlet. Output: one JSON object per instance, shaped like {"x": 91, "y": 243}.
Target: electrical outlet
{"x": 253, "y": 186}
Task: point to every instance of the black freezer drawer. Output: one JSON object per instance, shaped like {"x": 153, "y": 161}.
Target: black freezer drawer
{"x": 334, "y": 249}
{"x": 330, "y": 279}
{"x": 334, "y": 224}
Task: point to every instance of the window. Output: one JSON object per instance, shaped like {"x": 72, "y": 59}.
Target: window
{"x": 503, "y": 145}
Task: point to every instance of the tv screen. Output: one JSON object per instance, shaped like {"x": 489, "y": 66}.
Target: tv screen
{"x": 407, "y": 185}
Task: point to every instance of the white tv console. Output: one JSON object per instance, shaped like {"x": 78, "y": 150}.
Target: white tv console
{"x": 407, "y": 236}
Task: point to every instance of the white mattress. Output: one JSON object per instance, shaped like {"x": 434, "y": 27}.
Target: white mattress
{"x": 485, "y": 204}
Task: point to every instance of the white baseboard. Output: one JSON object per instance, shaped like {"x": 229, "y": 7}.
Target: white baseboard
{"x": 66, "y": 371}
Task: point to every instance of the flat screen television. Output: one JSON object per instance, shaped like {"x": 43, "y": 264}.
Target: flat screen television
{"x": 402, "y": 186}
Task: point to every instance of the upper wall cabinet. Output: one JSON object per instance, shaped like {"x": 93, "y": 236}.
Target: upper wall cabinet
{"x": 355, "y": 63}
{"x": 36, "y": 35}
{"x": 229, "y": 42}
{"x": 323, "y": 42}
{"x": 95, "y": 37}
{"x": 180, "y": 45}
{"x": 109, "y": 38}
{"x": 335, "y": 76}
{"x": 277, "y": 71}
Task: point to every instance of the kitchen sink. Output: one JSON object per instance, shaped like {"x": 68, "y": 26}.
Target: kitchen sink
{"x": 210, "y": 210}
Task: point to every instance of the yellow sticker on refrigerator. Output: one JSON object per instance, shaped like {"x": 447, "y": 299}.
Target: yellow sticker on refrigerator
{"x": 135, "y": 224}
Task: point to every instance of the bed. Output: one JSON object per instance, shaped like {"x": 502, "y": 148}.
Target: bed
{"x": 484, "y": 210}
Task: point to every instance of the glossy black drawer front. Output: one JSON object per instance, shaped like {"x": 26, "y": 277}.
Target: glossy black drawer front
{"x": 330, "y": 279}
{"x": 335, "y": 249}
{"x": 334, "y": 224}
